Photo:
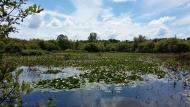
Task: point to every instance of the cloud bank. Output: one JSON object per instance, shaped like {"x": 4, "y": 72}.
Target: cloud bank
{"x": 94, "y": 16}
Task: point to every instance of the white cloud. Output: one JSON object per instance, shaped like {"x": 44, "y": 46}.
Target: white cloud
{"x": 159, "y": 7}
{"x": 54, "y": 23}
{"x": 55, "y": 14}
{"x": 35, "y": 21}
{"x": 184, "y": 21}
{"x": 163, "y": 32}
{"x": 166, "y": 4}
{"x": 161, "y": 21}
{"x": 91, "y": 16}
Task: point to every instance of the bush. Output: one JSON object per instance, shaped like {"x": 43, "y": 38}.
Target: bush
{"x": 146, "y": 47}
{"x": 172, "y": 45}
{"x": 2, "y": 46}
{"x": 32, "y": 52}
{"x": 13, "y": 48}
{"x": 123, "y": 47}
{"x": 111, "y": 47}
{"x": 100, "y": 47}
{"x": 49, "y": 46}
{"x": 182, "y": 47}
{"x": 91, "y": 47}
{"x": 63, "y": 42}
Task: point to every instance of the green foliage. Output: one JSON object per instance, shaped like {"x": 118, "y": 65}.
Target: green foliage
{"x": 113, "y": 40}
{"x": 146, "y": 47}
{"x": 171, "y": 45}
{"x": 93, "y": 37}
{"x": 13, "y": 48}
{"x": 32, "y": 52}
{"x": 111, "y": 47}
{"x": 48, "y": 45}
{"x": 183, "y": 47}
{"x": 9, "y": 86}
{"x": 2, "y": 46}
{"x": 13, "y": 12}
{"x": 51, "y": 102}
{"x": 137, "y": 41}
{"x": 66, "y": 83}
{"x": 63, "y": 42}
{"x": 140, "y": 45}
{"x": 52, "y": 71}
{"x": 91, "y": 47}
{"x": 123, "y": 47}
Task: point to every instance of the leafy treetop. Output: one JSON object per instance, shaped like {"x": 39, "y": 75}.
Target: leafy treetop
{"x": 13, "y": 12}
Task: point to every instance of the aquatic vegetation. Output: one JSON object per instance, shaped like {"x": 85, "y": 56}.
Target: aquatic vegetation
{"x": 52, "y": 71}
{"x": 60, "y": 83}
{"x": 51, "y": 102}
{"x": 112, "y": 68}
{"x": 108, "y": 71}
{"x": 114, "y": 71}
{"x": 173, "y": 61}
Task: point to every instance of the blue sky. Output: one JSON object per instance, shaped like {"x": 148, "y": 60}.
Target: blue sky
{"x": 118, "y": 19}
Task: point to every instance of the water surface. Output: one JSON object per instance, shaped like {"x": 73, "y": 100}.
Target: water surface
{"x": 151, "y": 92}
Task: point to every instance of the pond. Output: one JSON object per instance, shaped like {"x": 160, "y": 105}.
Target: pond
{"x": 151, "y": 92}
{"x": 34, "y": 74}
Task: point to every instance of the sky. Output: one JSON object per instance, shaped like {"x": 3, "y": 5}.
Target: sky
{"x": 110, "y": 19}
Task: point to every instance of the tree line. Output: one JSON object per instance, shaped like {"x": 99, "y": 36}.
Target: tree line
{"x": 13, "y": 12}
{"x": 138, "y": 45}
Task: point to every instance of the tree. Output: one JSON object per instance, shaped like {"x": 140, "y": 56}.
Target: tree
{"x": 93, "y": 37}
{"x": 13, "y": 48}
{"x": 91, "y": 47}
{"x": 2, "y": 46}
{"x": 113, "y": 40}
{"x": 172, "y": 45}
{"x": 123, "y": 47}
{"x": 182, "y": 47}
{"x": 137, "y": 41}
{"x": 10, "y": 88}
{"x": 13, "y": 12}
{"x": 63, "y": 41}
{"x": 48, "y": 45}
{"x": 146, "y": 47}
{"x": 76, "y": 45}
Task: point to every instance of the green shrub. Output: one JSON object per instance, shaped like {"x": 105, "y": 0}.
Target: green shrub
{"x": 146, "y": 47}
{"x": 171, "y": 45}
{"x": 32, "y": 52}
{"x": 13, "y": 48}
{"x": 2, "y": 46}
{"x": 49, "y": 46}
{"x": 182, "y": 47}
{"x": 63, "y": 42}
{"x": 111, "y": 47}
{"x": 91, "y": 47}
{"x": 123, "y": 47}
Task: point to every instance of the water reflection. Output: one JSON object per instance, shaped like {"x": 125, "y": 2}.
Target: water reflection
{"x": 34, "y": 74}
{"x": 152, "y": 93}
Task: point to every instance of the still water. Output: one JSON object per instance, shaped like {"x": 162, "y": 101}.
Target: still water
{"x": 152, "y": 92}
